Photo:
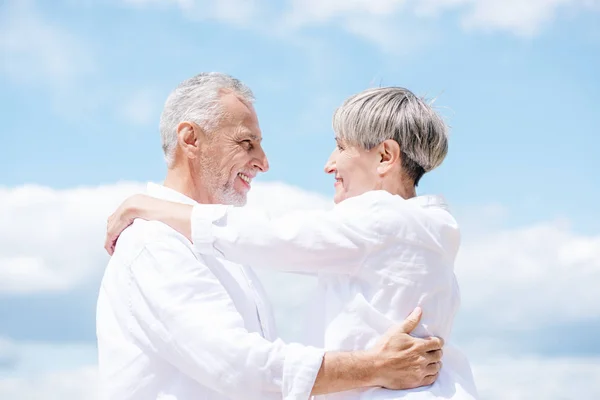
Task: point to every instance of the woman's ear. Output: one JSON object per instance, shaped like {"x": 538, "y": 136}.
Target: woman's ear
{"x": 389, "y": 155}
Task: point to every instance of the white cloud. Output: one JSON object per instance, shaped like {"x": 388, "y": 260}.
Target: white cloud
{"x": 306, "y": 12}
{"x": 391, "y": 36}
{"x": 141, "y": 107}
{"x": 236, "y": 12}
{"x": 39, "y": 53}
{"x": 78, "y": 384}
{"x": 537, "y": 275}
{"x": 47, "y": 371}
{"x": 501, "y": 378}
{"x": 524, "y": 18}
{"x": 529, "y": 278}
{"x": 397, "y": 26}
{"x": 36, "y": 50}
{"x": 538, "y": 378}
{"x": 518, "y": 17}
{"x": 18, "y": 270}
{"x": 8, "y": 353}
{"x": 51, "y": 240}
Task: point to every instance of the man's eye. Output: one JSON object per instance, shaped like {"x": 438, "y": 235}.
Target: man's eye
{"x": 247, "y": 144}
{"x": 339, "y": 147}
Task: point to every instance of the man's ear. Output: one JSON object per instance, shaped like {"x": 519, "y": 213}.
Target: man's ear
{"x": 189, "y": 136}
{"x": 389, "y": 156}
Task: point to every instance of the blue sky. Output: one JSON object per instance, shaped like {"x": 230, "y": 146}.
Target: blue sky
{"x": 82, "y": 85}
{"x": 523, "y": 109}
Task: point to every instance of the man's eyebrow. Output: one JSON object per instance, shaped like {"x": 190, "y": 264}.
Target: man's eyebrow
{"x": 250, "y": 136}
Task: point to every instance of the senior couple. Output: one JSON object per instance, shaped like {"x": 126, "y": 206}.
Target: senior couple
{"x": 181, "y": 314}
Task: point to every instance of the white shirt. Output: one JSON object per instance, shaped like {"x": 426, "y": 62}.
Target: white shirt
{"x": 377, "y": 255}
{"x": 172, "y": 324}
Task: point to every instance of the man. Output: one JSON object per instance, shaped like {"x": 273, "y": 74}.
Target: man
{"x": 173, "y": 324}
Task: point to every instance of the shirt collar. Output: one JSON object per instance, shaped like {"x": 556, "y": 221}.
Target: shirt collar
{"x": 430, "y": 201}
{"x": 165, "y": 193}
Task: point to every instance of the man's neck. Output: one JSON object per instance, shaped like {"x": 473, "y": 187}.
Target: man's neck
{"x": 182, "y": 182}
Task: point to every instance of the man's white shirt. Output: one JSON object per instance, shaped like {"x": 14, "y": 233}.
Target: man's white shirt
{"x": 377, "y": 256}
{"x": 175, "y": 324}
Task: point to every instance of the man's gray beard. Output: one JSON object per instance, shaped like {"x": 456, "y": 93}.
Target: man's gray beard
{"x": 224, "y": 194}
{"x": 228, "y": 195}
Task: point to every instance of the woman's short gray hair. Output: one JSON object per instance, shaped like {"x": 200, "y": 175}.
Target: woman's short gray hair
{"x": 369, "y": 118}
{"x": 197, "y": 100}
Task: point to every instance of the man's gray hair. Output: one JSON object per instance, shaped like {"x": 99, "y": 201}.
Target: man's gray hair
{"x": 197, "y": 100}
{"x": 369, "y": 118}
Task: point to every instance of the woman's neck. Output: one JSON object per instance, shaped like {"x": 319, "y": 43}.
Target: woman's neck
{"x": 400, "y": 187}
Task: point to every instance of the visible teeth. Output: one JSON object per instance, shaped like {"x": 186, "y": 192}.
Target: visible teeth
{"x": 244, "y": 178}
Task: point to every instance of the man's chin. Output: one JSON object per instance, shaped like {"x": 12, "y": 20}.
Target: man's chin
{"x": 235, "y": 199}
{"x": 240, "y": 202}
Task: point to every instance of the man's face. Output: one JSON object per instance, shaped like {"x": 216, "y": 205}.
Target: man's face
{"x": 233, "y": 154}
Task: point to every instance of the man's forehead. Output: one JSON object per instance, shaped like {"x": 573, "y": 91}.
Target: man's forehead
{"x": 251, "y": 134}
{"x": 237, "y": 108}
{"x": 235, "y": 102}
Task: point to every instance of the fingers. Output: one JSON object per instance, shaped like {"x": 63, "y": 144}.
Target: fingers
{"x": 111, "y": 248}
{"x": 433, "y": 343}
{"x": 411, "y": 322}
{"x": 433, "y": 368}
{"x": 109, "y": 245}
{"x": 432, "y": 372}
{"x": 434, "y": 356}
{"x": 429, "y": 379}
{"x": 110, "y": 240}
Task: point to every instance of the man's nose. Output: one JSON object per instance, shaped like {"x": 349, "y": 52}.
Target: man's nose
{"x": 261, "y": 162}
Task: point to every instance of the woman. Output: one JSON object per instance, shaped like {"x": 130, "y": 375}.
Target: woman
{"x": 379, "y": 253}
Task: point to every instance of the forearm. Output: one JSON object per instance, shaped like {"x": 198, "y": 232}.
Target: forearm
{"x": 333, "y": 241}
{"x": 303, "y": 241}
{"x": 176, "y": 215}
{"x": 341, "y": 371}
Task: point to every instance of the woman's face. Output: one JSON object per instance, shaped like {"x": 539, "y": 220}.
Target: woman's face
{"x": 354, "y": 169}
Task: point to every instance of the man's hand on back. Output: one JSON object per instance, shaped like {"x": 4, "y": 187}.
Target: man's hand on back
{"x": 406, "y": 362}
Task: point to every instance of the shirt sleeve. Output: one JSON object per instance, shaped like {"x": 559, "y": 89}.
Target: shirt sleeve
{"x": 333, "y": 241}
{"x": 187, "y": 318}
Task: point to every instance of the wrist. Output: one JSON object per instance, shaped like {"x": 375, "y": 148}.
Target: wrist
{"x": 133, "y": 209}
{"x": 371, "y": 361}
